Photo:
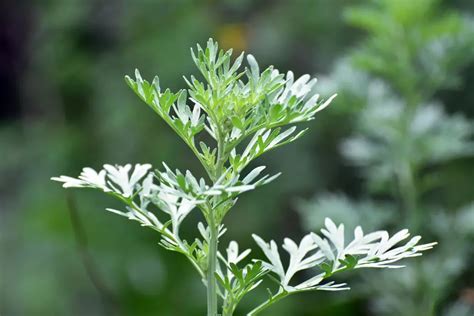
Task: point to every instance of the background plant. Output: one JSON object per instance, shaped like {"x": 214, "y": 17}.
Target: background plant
{"x": 403, "y": 142}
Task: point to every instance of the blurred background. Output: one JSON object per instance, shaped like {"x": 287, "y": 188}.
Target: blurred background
{"x": 394, "y": 150}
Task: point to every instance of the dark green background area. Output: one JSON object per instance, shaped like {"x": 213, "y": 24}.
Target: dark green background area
{"x": 65, "y": 105}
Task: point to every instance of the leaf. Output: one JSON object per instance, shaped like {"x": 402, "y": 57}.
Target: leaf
{"x": 254, "y": 69}
{"x": 329, "y": 253}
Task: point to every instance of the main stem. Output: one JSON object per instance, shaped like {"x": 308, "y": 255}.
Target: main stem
{"x": 211, "y": 268}
{"x": 213, "y": 238}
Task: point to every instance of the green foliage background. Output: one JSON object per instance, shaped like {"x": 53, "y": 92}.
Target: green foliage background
{"x": 65, "y": 105}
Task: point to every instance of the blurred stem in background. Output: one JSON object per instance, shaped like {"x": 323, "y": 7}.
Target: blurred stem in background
{"x": 110, "y": 304}
{"x": 406, "y": 174}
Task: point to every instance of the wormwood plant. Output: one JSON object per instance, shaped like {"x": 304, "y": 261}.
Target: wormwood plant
{"x": 403, "y": 141}
{"x": 243, "y": 118}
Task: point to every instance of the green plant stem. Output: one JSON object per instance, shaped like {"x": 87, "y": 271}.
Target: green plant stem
{"x": 275, "y": 298}
{"x": 214, "y": 232}
{"x": 211, "y": 270}
{"x": 221, "y": 158}
{"x": 228, "y": 310}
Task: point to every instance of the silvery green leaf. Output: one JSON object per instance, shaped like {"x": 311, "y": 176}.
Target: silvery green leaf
{"x": 253, "y": 174}
{"x": 88, "y": 178}
{"x": 329, "y": 252}
{"x": 332, "y": 286}
{"x": 271, "y": 252}
{"x": 254, "y": 69}
{"x": 301, "y": 257}
{"x": 335, "y": 234}
{"x": 325, "y": 104}
{"x": 234, "y": 257}
{"x": 121, "y": 213}
{"x": 204, "y": 230}
{"x": 119, "y": 175}
{"x": 375, "y": 250}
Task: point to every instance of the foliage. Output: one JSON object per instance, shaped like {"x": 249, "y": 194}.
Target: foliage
{"x": 234, "y": 121}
